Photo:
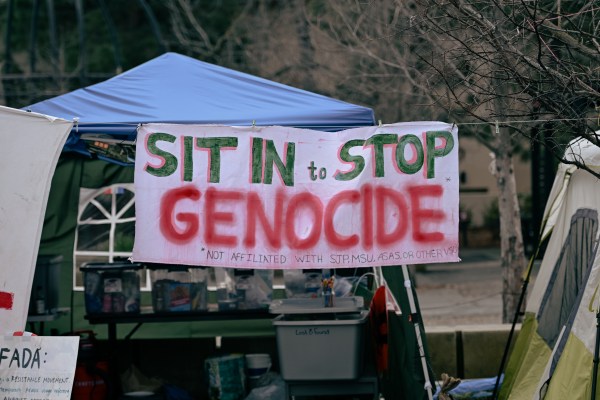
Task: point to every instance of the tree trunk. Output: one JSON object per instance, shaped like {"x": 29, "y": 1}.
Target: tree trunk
{"x": 512, "y": 252}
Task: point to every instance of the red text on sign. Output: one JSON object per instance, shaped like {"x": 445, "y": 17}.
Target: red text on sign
{"x": 229, "y": 218}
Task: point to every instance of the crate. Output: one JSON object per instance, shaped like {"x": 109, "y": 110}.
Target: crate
{"x": 328, "y": 348}
{"x": 178, "y": 288}
{"x": 112, "y": 288}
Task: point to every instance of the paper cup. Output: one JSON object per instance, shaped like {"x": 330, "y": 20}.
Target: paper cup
{"x": 257, "y": 365}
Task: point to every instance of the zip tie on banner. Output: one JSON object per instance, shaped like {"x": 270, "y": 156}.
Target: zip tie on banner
{"x": 427, "y": 385}
{"x": 76, "y": 121}
{"x": 497, "y": 127}
{"x": 407, "y": 283}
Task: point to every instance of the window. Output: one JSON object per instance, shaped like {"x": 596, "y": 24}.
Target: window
{"x": 105, "y": 228}
{"x": 569, "y": 277}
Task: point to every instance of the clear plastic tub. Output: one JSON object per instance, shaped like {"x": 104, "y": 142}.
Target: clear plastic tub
{"x": 112, "y": 288}
{"x": 178, "y": 288}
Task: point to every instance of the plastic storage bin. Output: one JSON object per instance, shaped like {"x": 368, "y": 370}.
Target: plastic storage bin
{"x": 315, "y": 342}
{"x": 178, "y": 288}
{"x": 326, "y": 349}
{"x": 112, "y": 287}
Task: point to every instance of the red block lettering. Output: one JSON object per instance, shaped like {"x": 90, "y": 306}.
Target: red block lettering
{"x": 212, "y": 217}
{"x": 367, "y": 213}
{"x": 419, "y": 215}
{"x": 348, "y": 196}
{"x": 313, "y": 204}
{"x": 255, "y": 210}
{"x": 383, "y": 196}
{"x": 167, "y": 215}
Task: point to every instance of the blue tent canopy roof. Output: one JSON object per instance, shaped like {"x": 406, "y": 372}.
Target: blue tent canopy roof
{"x": 174, "y": 88}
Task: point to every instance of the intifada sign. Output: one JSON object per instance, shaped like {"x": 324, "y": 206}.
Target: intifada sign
{"x": 277, "y": 197}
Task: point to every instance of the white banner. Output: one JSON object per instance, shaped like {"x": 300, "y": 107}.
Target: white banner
{"x": 37, "y": 367}
{"x": 277, "y": 197}
{"x": 31, "y": 146}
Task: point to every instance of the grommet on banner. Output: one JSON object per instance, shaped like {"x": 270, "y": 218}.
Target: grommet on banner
{"x": 253, "y": 123}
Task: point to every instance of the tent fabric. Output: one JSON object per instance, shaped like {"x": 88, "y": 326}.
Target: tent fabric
{"x": 405, "y": 378}
{"x": 557, "y": 319}
{"x": 567, "y": 282}
{"x": 174, "y": 88}
{"x": 570, "y": 375}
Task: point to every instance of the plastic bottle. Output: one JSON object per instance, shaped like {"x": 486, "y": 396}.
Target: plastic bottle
{"x": 40, "y": 301}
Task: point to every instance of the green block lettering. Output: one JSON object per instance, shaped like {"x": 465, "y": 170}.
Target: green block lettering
{"x": 358, "y": 161}
{"x": 170, "y": 161}
{"x": 401, "y": 162}
{"x": 433, "y": 153}
{"x": 378, "y": 141}
{"x": 215, "y": 144}
{"x": 286, "y": 171}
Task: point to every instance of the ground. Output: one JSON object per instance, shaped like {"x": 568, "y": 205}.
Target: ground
{"x": 468, "y": 292}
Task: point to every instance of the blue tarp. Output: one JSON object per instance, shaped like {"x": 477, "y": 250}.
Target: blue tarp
{"x": 468, "y": 389}
{"x": 174, "y": 88}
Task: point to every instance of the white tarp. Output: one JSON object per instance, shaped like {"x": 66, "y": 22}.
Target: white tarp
{"x": 31, "y": 145}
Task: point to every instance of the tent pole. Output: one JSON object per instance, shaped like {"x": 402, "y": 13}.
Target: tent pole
{"x": 518, "y": 313}
{"x": 510, "y": 335}
{"x": 415, "y": 321}
{"x": 596, "y": 356}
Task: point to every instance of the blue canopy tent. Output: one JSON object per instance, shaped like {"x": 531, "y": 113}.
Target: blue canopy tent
{"x": 174, "y": 88}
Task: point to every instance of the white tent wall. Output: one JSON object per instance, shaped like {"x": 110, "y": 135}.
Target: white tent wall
{"x": 565, "y": 275}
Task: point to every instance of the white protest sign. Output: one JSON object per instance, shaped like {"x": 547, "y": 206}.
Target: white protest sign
{"x": 37, "y": 367}
{"x": 277, "y": 197}
{"x": 31, "y": 145}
